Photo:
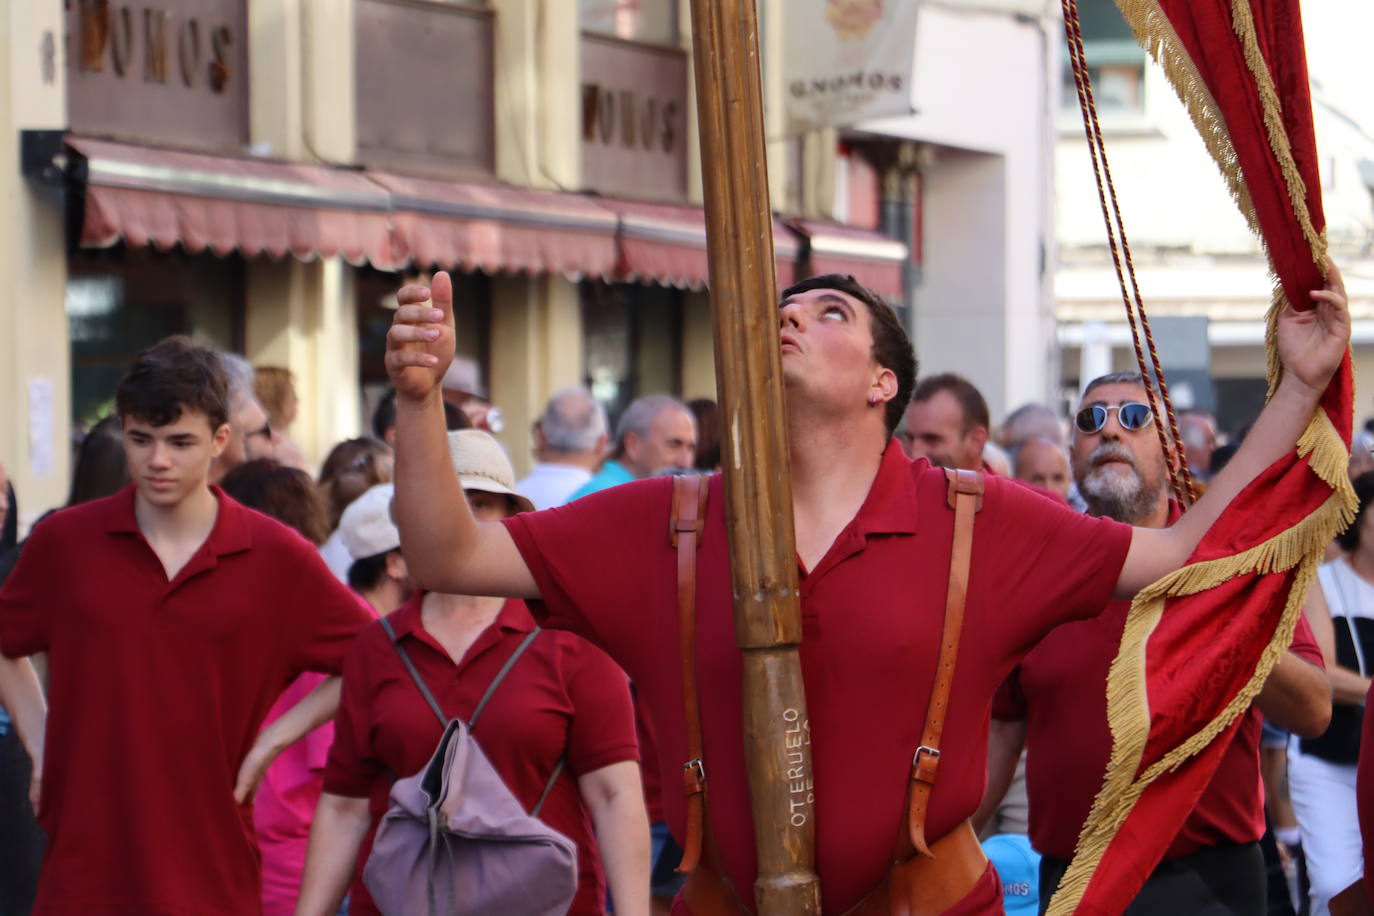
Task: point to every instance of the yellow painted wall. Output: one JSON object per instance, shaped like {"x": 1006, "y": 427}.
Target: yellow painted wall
{"x": 34, "y": 353}
{"x": 302, "y": 316}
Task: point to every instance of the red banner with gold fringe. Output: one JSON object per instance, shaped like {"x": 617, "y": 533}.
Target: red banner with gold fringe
{"x": 1199, "y": 643}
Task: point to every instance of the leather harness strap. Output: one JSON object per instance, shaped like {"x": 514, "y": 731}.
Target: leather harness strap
{"x": 686, "y": 527}
{"x": 916, "y": 885}
{"x": 964, "y": 494}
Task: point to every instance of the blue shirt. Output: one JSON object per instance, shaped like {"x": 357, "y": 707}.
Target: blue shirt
{"x": 612, "y": 474}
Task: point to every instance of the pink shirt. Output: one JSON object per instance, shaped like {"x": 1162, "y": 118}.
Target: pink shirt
{"x": 285, "y": 804}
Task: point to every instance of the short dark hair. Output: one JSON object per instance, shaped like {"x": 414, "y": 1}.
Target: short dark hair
{"x": 970, "y": 399}
{"x": 1349, "y": 539}
{"x": 1125, "y": 377}
{"x": 891, "y": 346}
{"x": 285, "y": 493}
{"x": 173, "y": 375}
{"x": 384, "y": 417}
{"x": 101, "y": 469}
{"x": 366, "y": 572}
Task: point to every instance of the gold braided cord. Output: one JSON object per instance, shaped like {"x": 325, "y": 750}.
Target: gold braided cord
{"x": 1297, "y": 548}
{"x": 1244, "y": 24}
{"x": 1180, "y": 475}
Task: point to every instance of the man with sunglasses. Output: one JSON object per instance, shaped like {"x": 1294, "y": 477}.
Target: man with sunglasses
{"x": 873, "y": 536}
{"x": 1054, "y": 703}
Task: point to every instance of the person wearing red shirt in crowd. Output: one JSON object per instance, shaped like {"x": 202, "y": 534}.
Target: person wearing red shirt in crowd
{"x": 172, "y": 617}
{"x": 563, "y": 700}
{"x": 873, "y": 537}
{"x": 1055, "y": 702}
{"x": 947, "y": 423}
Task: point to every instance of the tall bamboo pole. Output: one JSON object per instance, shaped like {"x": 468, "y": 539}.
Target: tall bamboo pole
{"x": 763, "y": 556}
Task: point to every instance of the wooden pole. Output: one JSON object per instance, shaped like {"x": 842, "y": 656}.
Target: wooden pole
{"x": 758, "y": 493}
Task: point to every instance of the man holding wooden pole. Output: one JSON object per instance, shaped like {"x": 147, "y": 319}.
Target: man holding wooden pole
{"x": 874, "y": 536}
{"x": 890, "y": 580}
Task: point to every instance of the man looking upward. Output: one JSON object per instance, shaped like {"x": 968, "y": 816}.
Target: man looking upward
{"x": 873, "y": 535}
{"x": 1055, "y": 702}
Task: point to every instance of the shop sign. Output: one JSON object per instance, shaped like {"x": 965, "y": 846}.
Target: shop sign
{"x": 848, "y": 61}
{"x": 634, "y": 118}
{"x": 174, "y": 72}
{"x": 424, "y": 87}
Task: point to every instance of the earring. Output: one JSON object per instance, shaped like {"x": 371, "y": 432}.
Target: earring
{"x": 873, "y": 400}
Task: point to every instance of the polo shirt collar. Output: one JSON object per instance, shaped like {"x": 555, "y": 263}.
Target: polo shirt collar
{"x": 514, "y": 617}
{"x": 890, "y": 507}
{"x": 230, "y": 534}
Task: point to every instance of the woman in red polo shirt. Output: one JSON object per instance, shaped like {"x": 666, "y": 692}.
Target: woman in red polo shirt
{"x": 563, "y": 699}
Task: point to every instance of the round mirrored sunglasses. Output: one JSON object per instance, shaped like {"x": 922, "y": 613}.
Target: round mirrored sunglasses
{"x": 1130, "y": 414}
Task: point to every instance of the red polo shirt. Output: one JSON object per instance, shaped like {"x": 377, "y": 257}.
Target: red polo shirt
{"x": 157, "y": 692}
{"x": 1060, "y": 689}
{"x": 872, "y": 611}
{"x": 563, "y": 698}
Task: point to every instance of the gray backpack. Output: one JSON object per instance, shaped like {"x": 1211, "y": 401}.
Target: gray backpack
{"x": 456, "y": 842}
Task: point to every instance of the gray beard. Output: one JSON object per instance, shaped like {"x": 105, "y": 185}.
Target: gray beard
{"x": 1125, "y": 498}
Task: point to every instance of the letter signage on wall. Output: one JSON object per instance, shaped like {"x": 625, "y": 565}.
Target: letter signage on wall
{"x": 634, "y": 119}
{"x": 172, "y": 72}
{"x": 848, "y": 61}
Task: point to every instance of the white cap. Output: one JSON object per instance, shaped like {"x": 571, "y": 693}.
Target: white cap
{"x": 464, "y": 375}
{"x": 366, "y": 528}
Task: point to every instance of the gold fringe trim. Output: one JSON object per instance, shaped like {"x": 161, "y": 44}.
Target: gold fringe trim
{"x": 1298, "y": 547}
{"x": 1281, "y": 552}
{"x": 1327, "y": 455}
{"x": 1244, "y": 24}
{"x": 1278, "y": 301}
{"x": 1128, "y": 700}
{"x": 1155, "y": 33}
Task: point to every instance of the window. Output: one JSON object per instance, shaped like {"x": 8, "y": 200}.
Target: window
{"x": 652, "y": 21}
{"x": 121, "y": 300}
{"x": 1117, "y": 88}
{"x": 1116, "y": 64}
{"x": 632, "y": 342}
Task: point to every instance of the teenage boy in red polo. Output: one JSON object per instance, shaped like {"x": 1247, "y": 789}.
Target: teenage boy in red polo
{"x": 172, "y": 617}
{"x": 873, "y": 544}
{"x": 1055, "y": 702}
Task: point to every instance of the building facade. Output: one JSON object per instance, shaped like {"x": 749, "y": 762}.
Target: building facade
{"x": 1203, "y": 276}
{"x": 264, "y": 175}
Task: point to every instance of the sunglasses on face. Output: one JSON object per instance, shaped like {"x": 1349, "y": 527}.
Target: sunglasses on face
{"x": 1130, "y": 414}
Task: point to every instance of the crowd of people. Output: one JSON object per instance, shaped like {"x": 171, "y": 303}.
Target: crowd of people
{"x": 220, "y": 663}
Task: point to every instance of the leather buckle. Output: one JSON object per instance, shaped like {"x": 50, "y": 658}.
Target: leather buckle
{"x": 694, "y": 777}
{"x": 924, "y": 769}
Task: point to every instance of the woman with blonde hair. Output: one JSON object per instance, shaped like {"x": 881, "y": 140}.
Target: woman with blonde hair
{"x": 275, "y": 388}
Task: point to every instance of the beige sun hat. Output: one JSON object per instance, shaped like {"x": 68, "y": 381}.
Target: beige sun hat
{"x": 482, "y": 464}
{"x": 366, "y": 527}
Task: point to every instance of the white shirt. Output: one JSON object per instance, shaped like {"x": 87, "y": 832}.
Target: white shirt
{"x": 336, "y": 556}
{"x": 550, "y": 485}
